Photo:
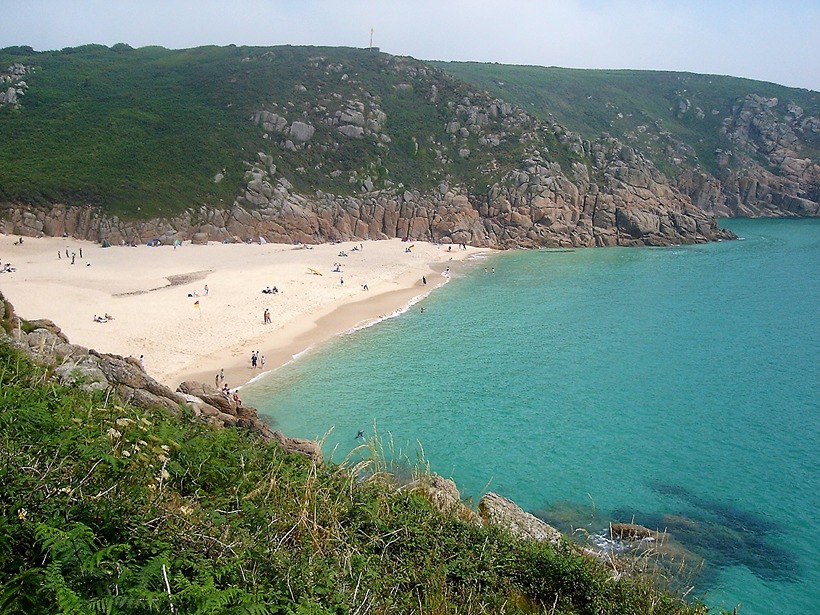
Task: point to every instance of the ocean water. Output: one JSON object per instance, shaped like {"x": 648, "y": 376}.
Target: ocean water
{"x": 677, "y": 387}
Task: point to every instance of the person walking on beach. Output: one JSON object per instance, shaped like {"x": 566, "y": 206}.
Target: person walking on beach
{"x": 221, "y": 375}
{"x": 262, "y": 362}
{"x": 253, "y": 359}
{"x": 216, "y": 381}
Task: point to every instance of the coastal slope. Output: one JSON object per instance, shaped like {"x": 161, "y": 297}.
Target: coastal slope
{"x": 312, "y": 145}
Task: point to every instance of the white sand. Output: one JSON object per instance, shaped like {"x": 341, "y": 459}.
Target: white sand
{"x": 181, "y": 342}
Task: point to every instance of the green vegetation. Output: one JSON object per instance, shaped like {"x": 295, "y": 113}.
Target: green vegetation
{"x": 143, "y": 132}
{"x": 131, "y": 131}
{"x": 647, "y": 109}
{"x": 109, "y": 509}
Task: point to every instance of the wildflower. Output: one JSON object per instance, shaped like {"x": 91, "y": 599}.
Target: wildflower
{"x": 113, "y": 433}
{"x": 21, "y": 514}
{"x": 126, "y": 454}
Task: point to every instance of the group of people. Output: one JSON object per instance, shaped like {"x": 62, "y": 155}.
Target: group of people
{"x": 72, "y": 255}
{"x": 257, "y": 361}
{"x": 270, "y": 291}
{"x": 226, "y": 391}
{"x": 105, "y": 318}
{"x": 266, "y": 316}
{"x": 231, "y": 395}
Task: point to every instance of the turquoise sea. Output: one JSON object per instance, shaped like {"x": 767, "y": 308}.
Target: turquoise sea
{"x": 679, "y": 387}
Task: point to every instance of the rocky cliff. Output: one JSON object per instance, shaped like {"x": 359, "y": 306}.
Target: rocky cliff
{"x": 348, "y": 145}
{"x": 623, "y": 201}
{"x": 766, "y": 171}
{"x": 736, "y": 147}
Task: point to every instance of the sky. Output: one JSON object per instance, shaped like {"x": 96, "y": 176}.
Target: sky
{"x": 777, "y": 41}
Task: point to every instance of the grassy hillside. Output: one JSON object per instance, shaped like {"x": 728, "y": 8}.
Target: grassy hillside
{"x": 122, "y": 129}
{"x": 143, "y": 132}
{"x": 109, "y": 509}
{"x": 637, "y": 106}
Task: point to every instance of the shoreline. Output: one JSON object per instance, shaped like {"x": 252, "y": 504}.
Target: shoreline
{"x": 162, "y": 311}
{"x": 315, "y": 331}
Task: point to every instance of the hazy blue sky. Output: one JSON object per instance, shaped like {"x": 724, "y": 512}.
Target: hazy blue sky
{"x": 770, "y": 40}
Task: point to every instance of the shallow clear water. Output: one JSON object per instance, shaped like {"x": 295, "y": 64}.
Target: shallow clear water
{"x": 676, "y": 386}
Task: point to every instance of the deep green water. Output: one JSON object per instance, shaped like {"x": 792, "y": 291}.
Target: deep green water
{"x": 676, "y": 386}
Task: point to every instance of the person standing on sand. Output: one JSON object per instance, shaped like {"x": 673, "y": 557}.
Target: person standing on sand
{"x": 206, "y": 290}
{"x": 262, "y": 362}
{"x": 221, "y": 375}
{"x": 216, "y": 381}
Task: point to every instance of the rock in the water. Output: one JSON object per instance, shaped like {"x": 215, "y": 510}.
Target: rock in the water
{"x": 632, "y": 531}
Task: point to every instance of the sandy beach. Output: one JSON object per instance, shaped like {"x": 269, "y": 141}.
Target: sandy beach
{"x": 161, "y": 309}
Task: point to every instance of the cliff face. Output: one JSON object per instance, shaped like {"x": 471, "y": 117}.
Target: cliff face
{"x": 766, "y": 170}
{"x": 347, "y": 145}
{"x": 736, "y": 147}
{"x": 535, "y": 206}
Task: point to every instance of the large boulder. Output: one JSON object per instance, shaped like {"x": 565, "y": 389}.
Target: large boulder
{"x": 208, "y": 394}
{"x": 497, "y": 510}
{"x": 300, "y": 446}
{"x": 86, "y": 375}
{"x": 300, "y": 131}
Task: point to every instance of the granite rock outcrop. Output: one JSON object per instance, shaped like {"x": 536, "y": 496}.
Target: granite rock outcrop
{"x": 502, "y": 177}
{"x": 766, "y": 172}
{"x": 536, "y": 206}
{"x": 498, "y": 510}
